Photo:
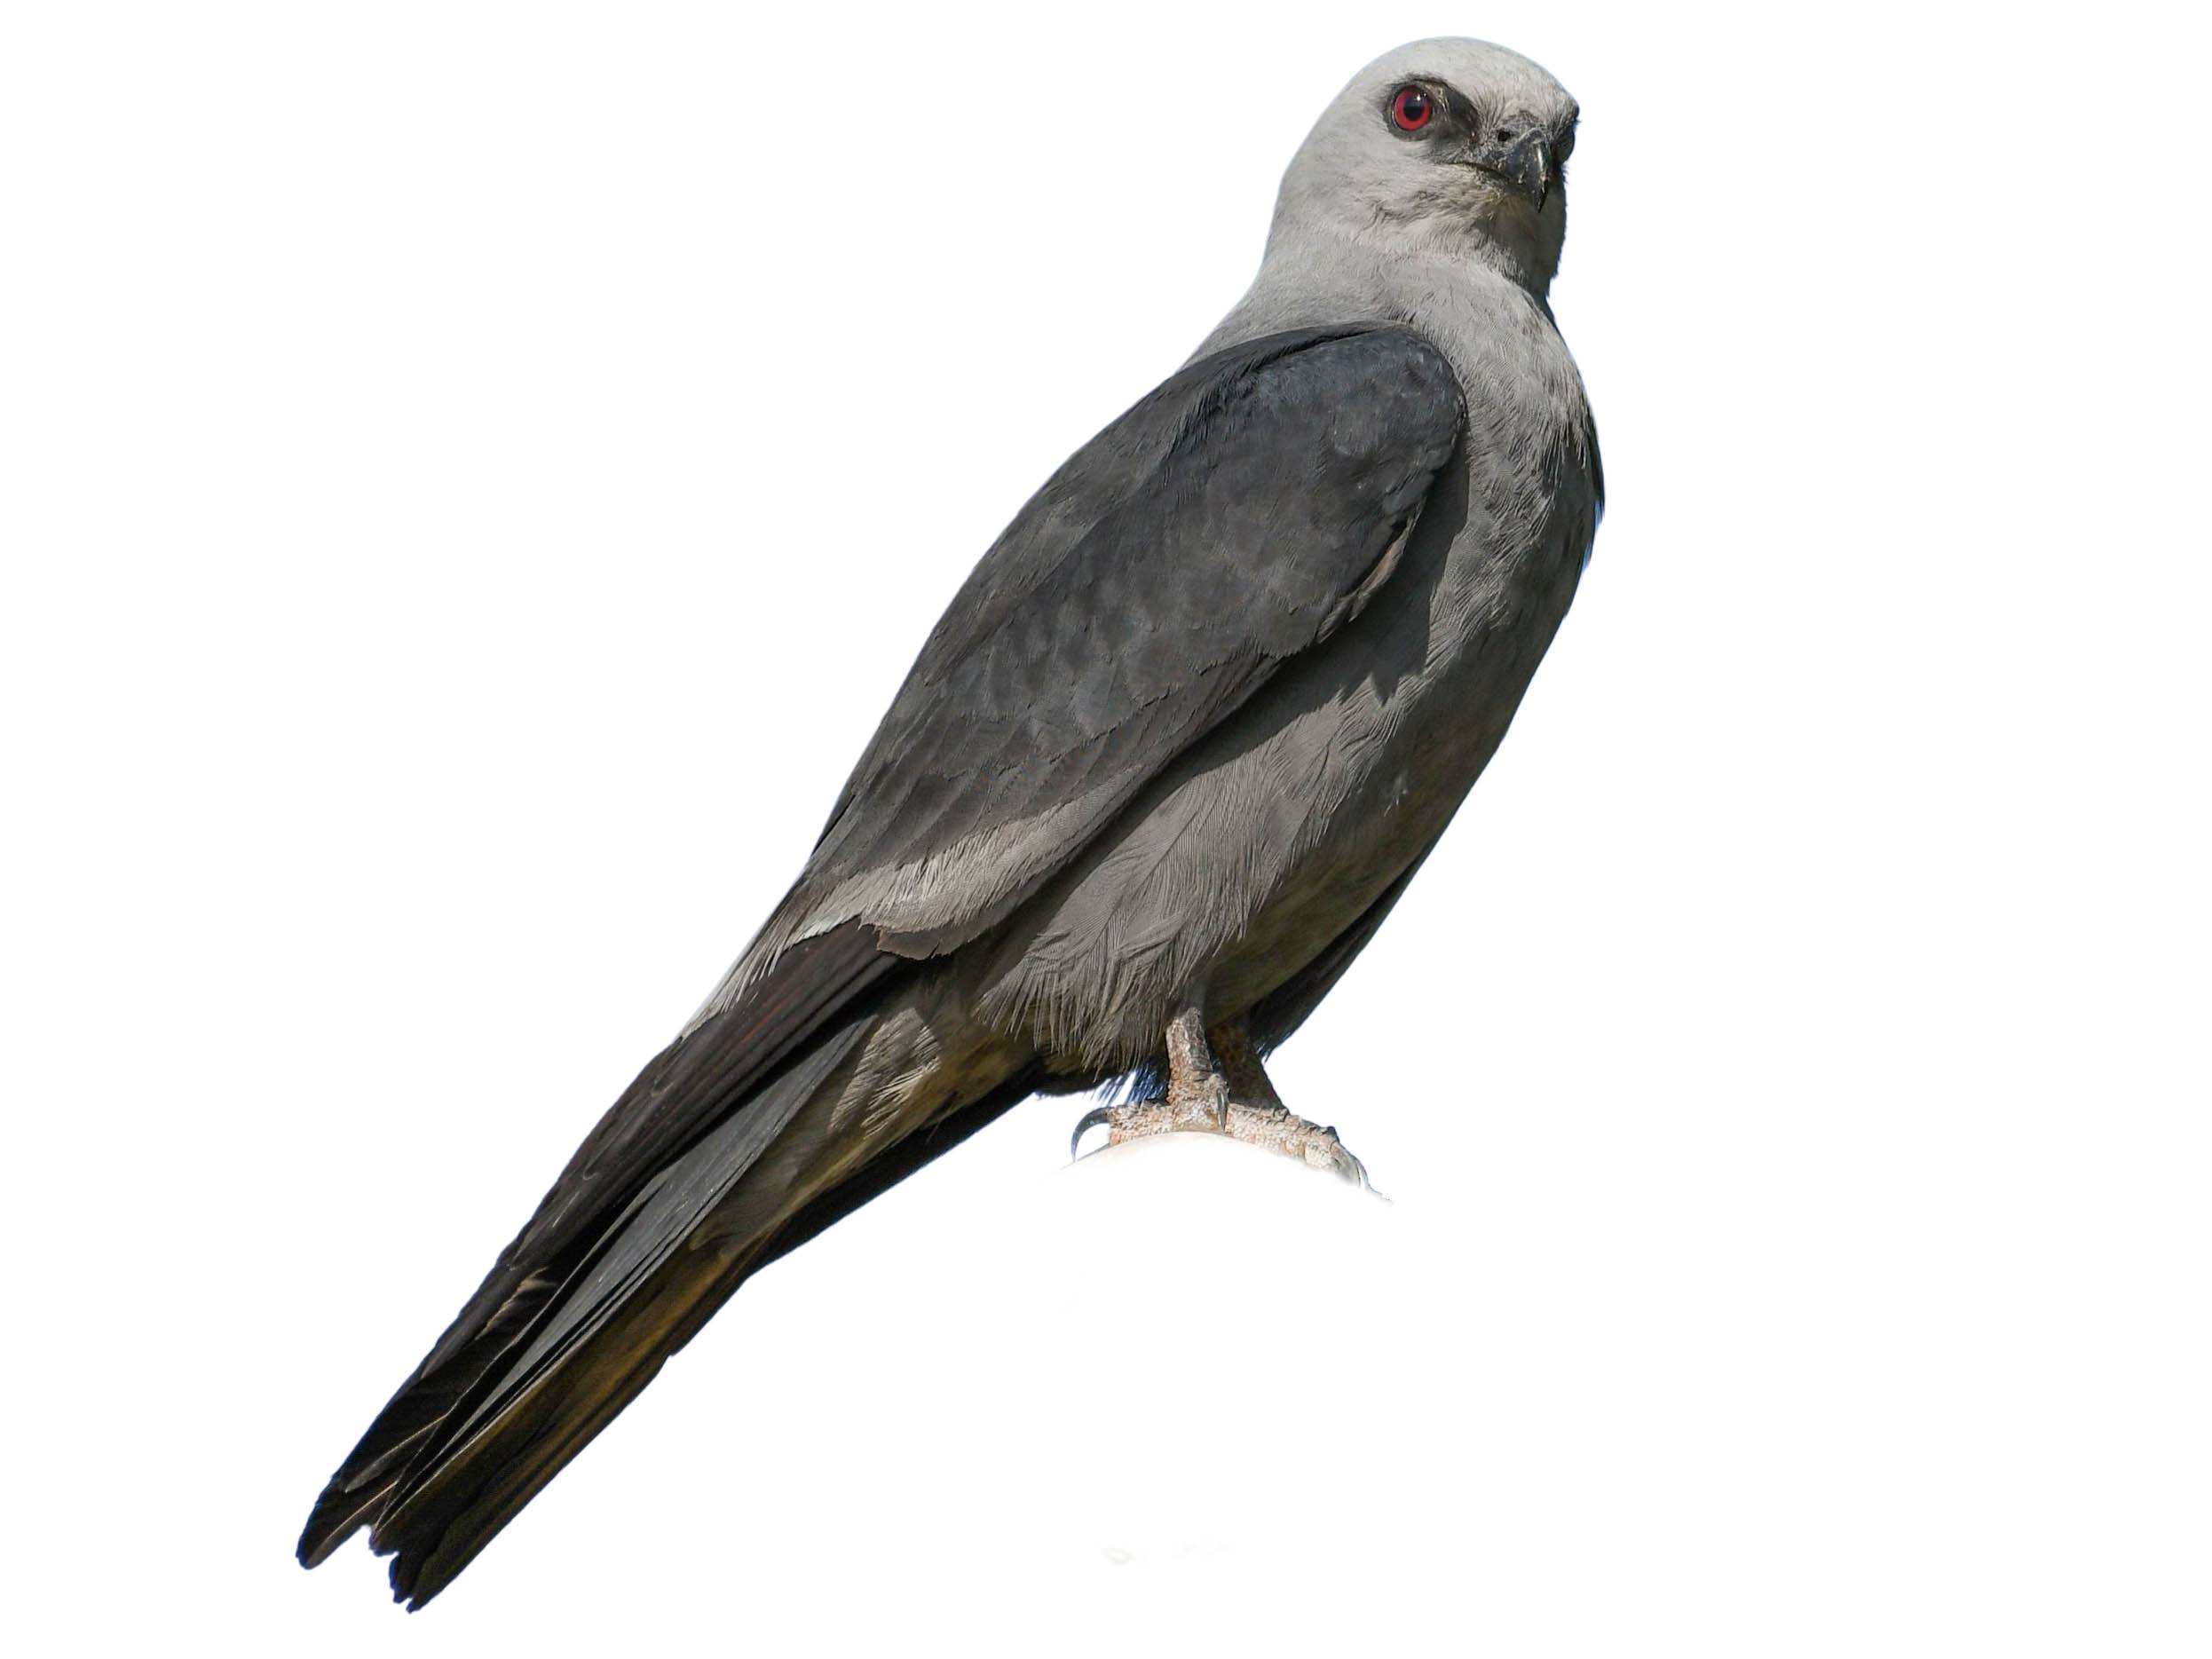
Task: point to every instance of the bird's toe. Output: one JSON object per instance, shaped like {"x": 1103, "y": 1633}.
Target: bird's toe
{"x": 1272, "y": 1128}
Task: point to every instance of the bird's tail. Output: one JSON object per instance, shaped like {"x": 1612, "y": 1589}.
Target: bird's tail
{"x": 731, "y": 1147}
{"x": 540, "y": 1362}
{"x": 583, "y": 1310}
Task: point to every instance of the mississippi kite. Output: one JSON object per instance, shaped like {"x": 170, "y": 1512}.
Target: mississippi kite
{"x": 1175, "y": 751}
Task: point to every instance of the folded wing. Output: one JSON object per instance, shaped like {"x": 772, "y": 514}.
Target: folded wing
{"x": 1239, "y": 515}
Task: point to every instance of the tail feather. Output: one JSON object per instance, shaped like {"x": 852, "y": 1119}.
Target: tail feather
{"x": 441, "y": 1524}
{"x": 596, "y": 1344}
{"x": 495, "y": 1412}
{"x": 612, "y": 1274}
{"x": 692, "y": 1122}
{"x": 358, "y": 1493}
{"x": 591, "y": 1360}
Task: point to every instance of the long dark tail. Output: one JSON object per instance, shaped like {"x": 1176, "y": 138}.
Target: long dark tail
{"x": 587, "y": 1304}
{"x": 589, "y": 1301}
{"x": 505, "y": 1399}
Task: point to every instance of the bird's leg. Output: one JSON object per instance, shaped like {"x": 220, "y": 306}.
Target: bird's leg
{"x": 1248, "y": 1079}
{"x": 1215, "y": 1083}
{"x": 1198, "y": 1092}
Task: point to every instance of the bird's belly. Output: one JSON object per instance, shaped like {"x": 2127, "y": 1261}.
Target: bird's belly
{"x": 1402, "y": 771}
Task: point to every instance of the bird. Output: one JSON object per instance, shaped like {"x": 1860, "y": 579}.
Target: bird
{"x": 1175, "y": 749}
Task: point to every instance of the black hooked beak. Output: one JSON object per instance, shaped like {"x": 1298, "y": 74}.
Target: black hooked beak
{"x": 1518, "y": 151}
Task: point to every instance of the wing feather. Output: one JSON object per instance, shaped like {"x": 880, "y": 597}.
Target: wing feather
{"x": 1239, "y": 515}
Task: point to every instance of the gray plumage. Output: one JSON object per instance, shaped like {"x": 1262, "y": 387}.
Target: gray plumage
{"x": 1181, "y": 740}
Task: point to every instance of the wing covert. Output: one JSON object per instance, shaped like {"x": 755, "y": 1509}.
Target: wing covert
{"x": 1238, "y": 515}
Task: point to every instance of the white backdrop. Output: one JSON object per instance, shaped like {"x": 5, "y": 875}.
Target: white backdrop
{"x": 473, "y": 474}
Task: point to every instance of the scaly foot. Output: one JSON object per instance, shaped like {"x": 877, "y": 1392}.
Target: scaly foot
{"x": 1274, "y": 1128}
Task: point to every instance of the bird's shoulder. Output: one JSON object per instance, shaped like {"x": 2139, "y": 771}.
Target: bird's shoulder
{"x": 1344, "y": 395}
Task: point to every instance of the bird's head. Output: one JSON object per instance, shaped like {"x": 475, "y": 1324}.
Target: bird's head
{"x": 1444, "y": 147}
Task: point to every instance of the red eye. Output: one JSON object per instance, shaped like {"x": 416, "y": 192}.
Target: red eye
{"x": 1410, "y": 109}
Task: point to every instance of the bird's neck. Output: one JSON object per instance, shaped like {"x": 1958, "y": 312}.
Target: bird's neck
{"x": 1498, "y": 233}
{"x": 1315, "y": 276}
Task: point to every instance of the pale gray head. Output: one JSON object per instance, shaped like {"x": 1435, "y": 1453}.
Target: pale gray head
{"x": 1451, "y": 147}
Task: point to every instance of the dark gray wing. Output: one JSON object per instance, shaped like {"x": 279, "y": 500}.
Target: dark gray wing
{"x": 1237, "y": 516}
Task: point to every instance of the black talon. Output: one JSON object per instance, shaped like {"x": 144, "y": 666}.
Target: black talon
{"x": 1366, "y": 1185}
{"x": 1090, "y": 1120}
